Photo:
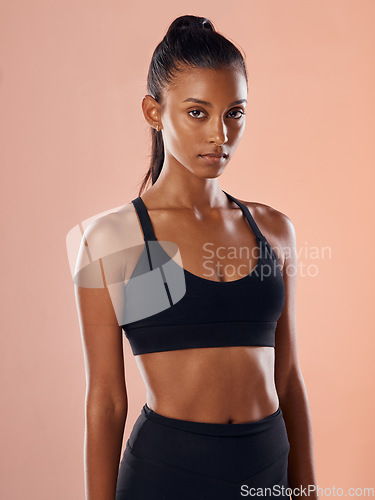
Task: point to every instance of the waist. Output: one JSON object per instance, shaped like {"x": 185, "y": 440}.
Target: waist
{"x": 214, "y": 384}
{"x": 217, "y": 429}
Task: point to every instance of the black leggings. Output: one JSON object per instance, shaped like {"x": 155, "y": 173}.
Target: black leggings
{"x": 172, "y": 459}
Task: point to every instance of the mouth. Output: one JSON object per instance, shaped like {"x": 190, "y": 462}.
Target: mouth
{"x": 215, "y": 155}
{"x": 214, "y": 158}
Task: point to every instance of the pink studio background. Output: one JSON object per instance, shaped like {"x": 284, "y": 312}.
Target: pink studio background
{"x": 75, "y": 143}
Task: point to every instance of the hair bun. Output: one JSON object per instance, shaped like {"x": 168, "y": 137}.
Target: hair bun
{"x": 184, "y": 22}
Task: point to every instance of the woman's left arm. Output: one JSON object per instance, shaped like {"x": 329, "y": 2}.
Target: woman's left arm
{"x": 289, "y": 382}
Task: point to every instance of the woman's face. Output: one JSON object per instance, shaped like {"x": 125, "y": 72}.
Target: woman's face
{"x": 213, "y": 125}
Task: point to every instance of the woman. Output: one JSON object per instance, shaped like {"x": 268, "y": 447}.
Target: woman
{"x": 214, "y": 331}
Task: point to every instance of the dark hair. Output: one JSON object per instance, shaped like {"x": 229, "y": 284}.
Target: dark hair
{"x": 190, "y": 41}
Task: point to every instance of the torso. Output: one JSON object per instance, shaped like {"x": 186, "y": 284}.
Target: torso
{"x": 221, "y": 384}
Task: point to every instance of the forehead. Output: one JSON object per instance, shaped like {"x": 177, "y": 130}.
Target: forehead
{"x": 212, "y": 85}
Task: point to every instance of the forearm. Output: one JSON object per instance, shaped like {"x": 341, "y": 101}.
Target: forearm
{"x": 103, "y": 441}
{"x": 301, "y": 467}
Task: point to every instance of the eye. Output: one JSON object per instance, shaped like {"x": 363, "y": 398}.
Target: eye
{"x": 242, "y": 113}
{"x": 195, "y": 110}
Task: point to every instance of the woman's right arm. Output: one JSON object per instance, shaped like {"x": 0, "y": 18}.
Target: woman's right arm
{"x": 106, "y": 397}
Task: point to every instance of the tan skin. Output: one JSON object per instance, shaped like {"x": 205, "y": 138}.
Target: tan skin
{"x": 221, "y": 385}
{"x": 186, "y": 205}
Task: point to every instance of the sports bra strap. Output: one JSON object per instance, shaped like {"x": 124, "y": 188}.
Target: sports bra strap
{"x": 248, "y": 216}
{"x": 144, "y": 219}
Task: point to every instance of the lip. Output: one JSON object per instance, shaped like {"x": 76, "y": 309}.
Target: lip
{"x": 213, "y": 158}
{"x": 213, "y": 154}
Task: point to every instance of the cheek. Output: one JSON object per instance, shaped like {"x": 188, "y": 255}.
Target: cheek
{"x": 184, "y": 138}
{"x": 179, "y": 144}
{"x": 240, "y": 130}
{"x": 235, "y": 132}
{"x": 186, "y": 129}
{"x": 179, "y": 130}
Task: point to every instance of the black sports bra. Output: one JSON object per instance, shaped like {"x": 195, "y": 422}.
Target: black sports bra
{"x": 167, "y": 308}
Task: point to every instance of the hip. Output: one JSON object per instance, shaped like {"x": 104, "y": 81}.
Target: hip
{"x": 203, "y": 460}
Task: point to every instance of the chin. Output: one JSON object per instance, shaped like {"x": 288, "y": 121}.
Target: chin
{"x": 210, "y": 175}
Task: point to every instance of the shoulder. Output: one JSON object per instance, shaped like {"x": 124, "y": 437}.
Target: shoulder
{"x": 276, "y": 226}
{"x": 104, "y": 237}
{"x": 107, "y": 230}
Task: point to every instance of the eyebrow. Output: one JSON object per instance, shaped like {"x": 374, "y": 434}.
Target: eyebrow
{"x": 199, "y": 101}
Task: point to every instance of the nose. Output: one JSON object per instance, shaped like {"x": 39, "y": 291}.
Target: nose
{"x": 218, "y": 134}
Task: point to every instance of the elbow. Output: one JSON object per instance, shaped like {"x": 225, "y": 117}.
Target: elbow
{"x": 106, "y": 406}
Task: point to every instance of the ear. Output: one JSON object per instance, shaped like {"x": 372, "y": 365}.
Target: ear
{"x": 151, "y": 111}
